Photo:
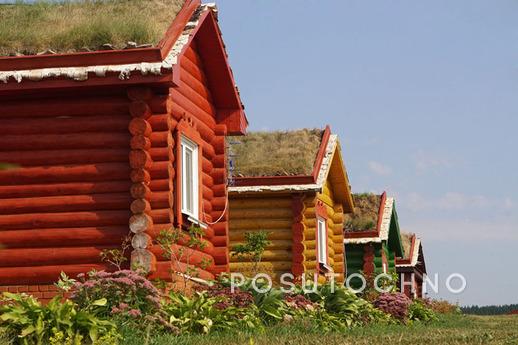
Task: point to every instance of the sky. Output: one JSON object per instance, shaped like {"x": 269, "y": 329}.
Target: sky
{"x": 424, "y": 98}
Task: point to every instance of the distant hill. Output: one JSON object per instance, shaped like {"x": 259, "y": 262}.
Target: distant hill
{"x": 491, "y": 309}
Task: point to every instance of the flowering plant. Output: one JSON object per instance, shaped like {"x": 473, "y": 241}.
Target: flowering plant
{"x": 395, "y": 304}
{"x": 126, "y": 293}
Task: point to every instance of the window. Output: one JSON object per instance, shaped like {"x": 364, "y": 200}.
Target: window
{"x": 190, "y": 186}
{"x": 322, "y": 241}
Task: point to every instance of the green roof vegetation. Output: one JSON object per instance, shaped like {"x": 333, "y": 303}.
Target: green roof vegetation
{"x": 406, "y": 242}
{"x": 72, "y": 26}
{"x": 279, "y": 153}
{"x": 366, "y": 211}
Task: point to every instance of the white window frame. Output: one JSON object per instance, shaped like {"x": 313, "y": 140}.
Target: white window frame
{"x": 190, "y": 183}
{"x": 322, "y": 241}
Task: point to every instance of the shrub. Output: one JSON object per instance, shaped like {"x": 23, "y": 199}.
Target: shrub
{"x": 238, "y": 298}
{"x": 419, "y": 311}
{"x": 203, "y": 314}
{"x": 442, "y": 307}
{"x": 126, "y": 292}
{"x": 58, "y": 322}
{"x": 395, "y": 304}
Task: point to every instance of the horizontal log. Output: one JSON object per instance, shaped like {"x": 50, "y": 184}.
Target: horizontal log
{"x": 64, "y": 125}
{"x": 160, "y": 185}
{"x": 256, "y": 203}
{"x": 161, "y": 170}
{"x": 140, "y": 109}
{"x": 220, "y": 241}
{"x": 69, "y": 173}
{"x": 195, "y": 84}
{"x": 161, "y": 216}
{"x": 68, "y": 203}
{"x": 40, "y": 190}
{"x": 57, "y": 107}
{"x": 160, "y": 104}
{"x": 140, "y": 142}
{"x": 140, "y": 176}
{"x": 262, "y": 267}
{"x": 64, "y": 141}
{"x": 140, "y": 159}
{"x": 64, "y": 220}
{"x": 271, "y": 213}
{"x": 162, "y": 122}
{"x": 140, "y": 206}
{"x": 268, "y": 256}
{"x": 140, "y": 127}
{"x": 143, "y": 259}
{"x": 139, "y": 223}
{"x": 36, "y": 238}
{"x": 139, "y": 93}
{"x": 161, "y": 154}
{"x": 260, "y": 224}
{"x": 238, "y": 236}
{"x": 201, "y": 111}
{"x": 64, "y": 157}
{"x": 24, "y": 257}
{"x": 185, "y": 255}
{"x": 160, "y": 139}
{"x": 45, "y": 274}
{"x": 164, "y": 271}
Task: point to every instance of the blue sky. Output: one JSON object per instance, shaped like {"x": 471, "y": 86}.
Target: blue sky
{"x": 424, "y": 96}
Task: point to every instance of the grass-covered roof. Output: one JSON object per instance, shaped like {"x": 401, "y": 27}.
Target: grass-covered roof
{"x": 279, "y": 153}
{"x": 85, "y": 25}
{"x": 366, "y": 212}
{"x": 406, "y": 242}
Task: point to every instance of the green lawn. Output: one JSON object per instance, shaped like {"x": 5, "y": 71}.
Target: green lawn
{"x": 449, "y": 330}
{"x": 472, "y": 330}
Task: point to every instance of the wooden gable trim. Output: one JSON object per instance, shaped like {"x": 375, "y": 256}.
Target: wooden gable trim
{"x": 321, "y": 153}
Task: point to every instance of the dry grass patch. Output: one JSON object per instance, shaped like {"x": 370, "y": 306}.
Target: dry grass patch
{"x": 72, "y": 26}
{"x": 279, "y": 153}
{"x": 366, "y": 210}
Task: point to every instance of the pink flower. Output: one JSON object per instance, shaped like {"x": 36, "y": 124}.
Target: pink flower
{"x": 134, "y": 313}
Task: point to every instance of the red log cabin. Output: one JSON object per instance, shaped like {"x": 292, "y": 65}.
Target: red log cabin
{"x": 105, "y": 143}
{"x": 411, "y": 268}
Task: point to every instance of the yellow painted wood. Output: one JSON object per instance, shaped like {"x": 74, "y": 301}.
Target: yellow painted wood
{"x": 268, "y": 255}
{"x": 262, "y": 224}
{"x": 273, "y": 235}
{"x": 257, "y": 214}
{"x": 261, "y": 203}
{"x": 266, "y": 267}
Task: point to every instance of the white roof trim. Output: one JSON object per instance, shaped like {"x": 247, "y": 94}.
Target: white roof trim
{"x": 384, "y": 230}
{"x": 415, "y": 255}
{"x": 125, "y": 70}
{"x": 325, "y": 167}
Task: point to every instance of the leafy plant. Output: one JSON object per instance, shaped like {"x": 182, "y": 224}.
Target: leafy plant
{"x": 395, "y": 304}
{"x": 203, "y": 314}
{"x": 419, "y": 311}
{"x": 126, "y": 293}
{"x": 117, "y": 257}
{"x": 178, "y": 247}
{"x": 255, "y": 244}
{"x": 58, "y": 322}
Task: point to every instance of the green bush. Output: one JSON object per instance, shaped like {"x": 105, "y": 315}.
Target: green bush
{"x": 419, "y": 311}
{"x": 203, "y": 314}
{"x": 58, "y": 322}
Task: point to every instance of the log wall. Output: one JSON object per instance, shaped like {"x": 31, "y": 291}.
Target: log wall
{"x": 94, "y": 168}
{"x": 335, "y": 239}
{"x": 69, "y": 198}
{"x": 270, "y": 213}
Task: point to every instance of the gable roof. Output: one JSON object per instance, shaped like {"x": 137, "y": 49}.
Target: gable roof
{"x": 387, "y": 225}
{"x": 366, "y": 213}
{"x": 73, "y": 26}
{"x": 301, "y": 160}
{"x": 413, "y": 256}
{"x": 152, "y": 66}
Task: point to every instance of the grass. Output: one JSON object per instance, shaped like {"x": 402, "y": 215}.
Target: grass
{"x": 406, "y": 241}
{"x": 278, "y": 153}
{"x": 499, "y": 330}
{"x": 366, "y": 210}
{"x": 71, "y": 26}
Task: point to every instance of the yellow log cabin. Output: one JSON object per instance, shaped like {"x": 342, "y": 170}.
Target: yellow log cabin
{"x": 292, "y": 185}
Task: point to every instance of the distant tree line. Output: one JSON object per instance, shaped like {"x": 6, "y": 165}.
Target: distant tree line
{"x": 491, "y": 309}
